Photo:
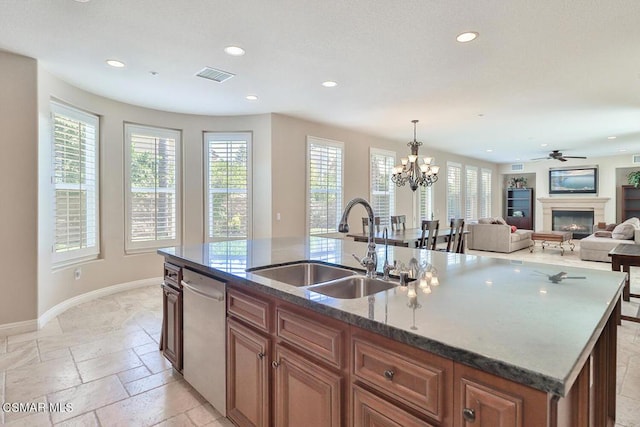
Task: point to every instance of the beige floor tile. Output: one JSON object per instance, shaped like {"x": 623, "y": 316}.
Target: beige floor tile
{"x": 147, "y": 348}
{"x": 52, "y": 328}
{"x": 178, "y": 421}
{"x": 23, "y": 357}
{"x": 87, "y": 397}
{"x": 55, "y": 354}
{"x": 203, "y": 414}
{"x": 69, "y": 339}
{"x": 40, "y": 419}
{"x": 85, "y": 420}
{"x": 109, "y": 364}
{"x": 21, "y": 345}
{"x": 33, "y": 412}
{"x": 627, "y": 412}
{"x": 133, "y": 374}
{"x": 220, "y": 422}
{"x": 152, "y": 381}
{"x": 111, "y": 342}
{"x": 3, "y": 345}
{"x": 151, "y": 407}
{"x": 155, "y": 361}
{"x": 40, "y": 379}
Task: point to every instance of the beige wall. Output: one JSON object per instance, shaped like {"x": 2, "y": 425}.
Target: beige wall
{"x": 18, "y": 188}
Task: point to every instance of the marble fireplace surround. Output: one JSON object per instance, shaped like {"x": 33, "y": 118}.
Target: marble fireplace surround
{"x": 593, "y": 204}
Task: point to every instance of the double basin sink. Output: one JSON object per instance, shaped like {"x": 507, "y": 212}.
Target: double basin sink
{"x": 333, "y": 281}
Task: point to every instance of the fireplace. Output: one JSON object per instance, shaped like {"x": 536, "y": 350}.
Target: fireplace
{"x": 580, "y": 223}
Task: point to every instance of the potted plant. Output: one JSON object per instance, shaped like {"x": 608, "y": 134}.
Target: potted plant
{"x": 520, "y": 181}
{"x": 634, "y": 178}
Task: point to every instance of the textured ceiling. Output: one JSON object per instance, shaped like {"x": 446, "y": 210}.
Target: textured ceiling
{"x": 564, "y": 73}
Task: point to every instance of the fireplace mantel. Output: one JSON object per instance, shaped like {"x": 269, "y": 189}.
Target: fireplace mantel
{"x": 595, "y": 204}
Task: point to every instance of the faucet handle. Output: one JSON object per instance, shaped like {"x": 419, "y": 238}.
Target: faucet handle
{"x": 360, "y": 261}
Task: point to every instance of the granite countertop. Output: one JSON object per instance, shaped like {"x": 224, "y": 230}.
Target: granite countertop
{"x": 502, "y": 316}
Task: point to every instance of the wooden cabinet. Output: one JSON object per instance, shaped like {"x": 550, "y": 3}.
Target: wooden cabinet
{"x": 171, "y": 335}
{"x": 630, "y": 202}
{"x": 369, "y": 410}
{"x": 519, "y": 208}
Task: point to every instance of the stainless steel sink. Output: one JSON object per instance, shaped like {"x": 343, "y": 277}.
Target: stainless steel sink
{"x": 303, "y": 273}
{"x": 352, "y": 287}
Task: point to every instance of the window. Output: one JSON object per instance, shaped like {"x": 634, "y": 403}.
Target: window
{"x": 227, "y": 179}
{"x": 75, "y": 184}
{"x": 454, "y": 190}
{"x": 324, "y": 185}
{"x": 425, "y": 200}
{"x": 471, "y": 193}
{"x": 485, "y": 193}
{"x": 382, "y": 189}
{"x": 152, "y": 159}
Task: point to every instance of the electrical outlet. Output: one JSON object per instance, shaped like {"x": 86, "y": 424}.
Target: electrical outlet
{"x": 278, "y": 216}
{"x": 77, "y": 273}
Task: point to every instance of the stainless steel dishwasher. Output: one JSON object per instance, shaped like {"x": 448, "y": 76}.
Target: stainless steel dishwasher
{"x": 204, "y": 337}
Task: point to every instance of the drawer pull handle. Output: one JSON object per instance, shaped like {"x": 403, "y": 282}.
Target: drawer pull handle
{"x": 469, "y": 414}
{"x": 260, "y": 355}
{"x": 388, "y": 374}
{"x": 275, "y": 364}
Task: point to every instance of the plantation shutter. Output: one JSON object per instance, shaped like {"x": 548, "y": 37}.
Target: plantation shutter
{"x": 153, "y": 197}
{"x": 471, "y": 193}
{"x": 75, "y": 184}
{"x": 382, "y": 189}
{"x": 324, "y": 185}
{"x": 227, "y": 172}
{"x": 454, "y": 190}
{"x": 426, "y": 204}
{"x": 485, "y": 193}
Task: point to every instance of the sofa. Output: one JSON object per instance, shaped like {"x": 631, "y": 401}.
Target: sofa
{"x": 596, "y": 246}
{"x": 495, "y": 235}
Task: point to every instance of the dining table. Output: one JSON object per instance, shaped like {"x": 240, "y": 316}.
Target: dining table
{"x": 409, "y": 237}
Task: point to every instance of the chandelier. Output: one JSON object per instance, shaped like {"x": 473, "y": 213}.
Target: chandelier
{"x": 411, "y": 172}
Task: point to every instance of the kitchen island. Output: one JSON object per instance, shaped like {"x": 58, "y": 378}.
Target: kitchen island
{"x": 533, "y": 344}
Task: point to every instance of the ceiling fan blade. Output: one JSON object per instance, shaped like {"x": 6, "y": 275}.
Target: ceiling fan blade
{"x": 574, "y": 157}
{"x": 542, "y": 158}
{"x": 562, "y": 159}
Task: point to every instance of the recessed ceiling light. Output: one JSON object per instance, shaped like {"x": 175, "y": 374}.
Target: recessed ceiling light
{"x": 480, "y": 115}
{"x": 543, "y": 145}
{"x": 154, "y": 73}
{"x": 329, "y": 83}
{"x": 82, "y": 1}
{"x": 622, "y": 150}
{"x": 489, "y": 150}
{"x": 611, "y": 137}
{"x": 115, "y": 63}
{"x": 252, "y": 97}
{"x": 234, "y": 50}
{"x": 517, "y": 158}
{"x": 467, "y": 37}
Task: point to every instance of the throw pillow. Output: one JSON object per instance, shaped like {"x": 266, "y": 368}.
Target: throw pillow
{"x": 633, "y": 221}
{"x": 501, "y": 220}
{"x": 602, "y": 234}
{"x": 602, "y": 225}
{"x": 610, "y": 227}
{"x": 485, "y": 221}
{"x": 513, "y": 228}
{"x": 623, "y": 232}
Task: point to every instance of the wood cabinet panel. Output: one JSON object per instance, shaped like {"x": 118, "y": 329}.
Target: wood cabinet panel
{"x": 254, "y": 311}
{"x": 421, "y": 380}
{"x": 312, "y": 335}
{"x": 173, "y": 275}
{"x": 171, "y": 340}
{"x": 370, "y": 410}
{"x": 248, "y": 364}
{"x": 306, "y": 394}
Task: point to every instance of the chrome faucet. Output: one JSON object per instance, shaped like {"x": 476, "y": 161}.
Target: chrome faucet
{"x": 370, "y": 261}
{"x": 386, "y": 268}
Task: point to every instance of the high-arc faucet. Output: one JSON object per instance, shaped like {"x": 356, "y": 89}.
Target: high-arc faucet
{"x": 370, "y": 261}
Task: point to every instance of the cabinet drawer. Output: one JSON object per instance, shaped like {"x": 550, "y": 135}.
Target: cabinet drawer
{"x": 172, "y": 275}
{"x": 371, "y": 410}
{"x": 252, "y": 310}
{"x": 313, "y": 336}
{"x": 420, "y": 380}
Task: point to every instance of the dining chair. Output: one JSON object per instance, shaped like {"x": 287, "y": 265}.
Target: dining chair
{"x": 429, "y": 234}
{"x": 398, "y": 220}
{"x": 456, "y": 238}
{"x": 365, "y": 224}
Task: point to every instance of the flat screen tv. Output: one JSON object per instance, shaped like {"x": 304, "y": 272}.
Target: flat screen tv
{"x": 573, "y": 181}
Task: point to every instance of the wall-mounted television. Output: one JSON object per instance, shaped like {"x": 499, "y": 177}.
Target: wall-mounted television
{"x": 581, "y": 180}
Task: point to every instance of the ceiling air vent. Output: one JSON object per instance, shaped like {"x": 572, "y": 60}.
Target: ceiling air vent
{"x": 214, "y": 74}
{"x": 517, "y": 167}
{"x": 635, "y": 159}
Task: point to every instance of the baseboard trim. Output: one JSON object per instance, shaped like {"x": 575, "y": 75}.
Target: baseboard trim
{"x": 18, "y": 327}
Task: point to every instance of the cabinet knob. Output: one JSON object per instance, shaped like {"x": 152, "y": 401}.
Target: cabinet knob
{"x": 260, "y": 355}
{"x": 275, "y": 364}
{"x": 469, "y": 414}
{"x": 388, "y": 374}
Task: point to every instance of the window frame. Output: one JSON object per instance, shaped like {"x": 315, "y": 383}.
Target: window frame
{"x": 156, "y": 132}
{"x": 328, "y": 143}
{"x": 246, "y": 136}
{"x": 385, "y": 221}
{"x": 86, "y": 253}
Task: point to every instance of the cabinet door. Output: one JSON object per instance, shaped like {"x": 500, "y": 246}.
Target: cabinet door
{"x": 247, "y": 376}
{"x": 485, "y": 407}
{"x": 172, "y": 326}
{"x": 305, "y": 394}
{"x": 370, "y": 410}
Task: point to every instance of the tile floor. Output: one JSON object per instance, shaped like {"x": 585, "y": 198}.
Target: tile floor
{"x": 102, "y": 359}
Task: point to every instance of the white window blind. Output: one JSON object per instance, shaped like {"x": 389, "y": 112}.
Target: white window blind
{"x": 485, "y": 193}
{"x": 152, "y": 180}
{"x": 425, "y": 195}
{"x": 227, "y": 177}
{"x": 471, "y": 193}
{"x": 382, "y": 197}
{"x": 454, "y": 190}
{"x": 75, "y": 182}
{"x": 324, "y": 185}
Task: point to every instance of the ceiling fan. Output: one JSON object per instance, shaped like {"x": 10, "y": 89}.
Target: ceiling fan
{"x": 557, "y": 155}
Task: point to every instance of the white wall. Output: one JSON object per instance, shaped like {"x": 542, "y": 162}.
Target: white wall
{"x": 608, "y": 184}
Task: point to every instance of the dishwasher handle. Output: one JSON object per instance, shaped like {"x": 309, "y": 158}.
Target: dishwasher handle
{"x": 215, "y": 296}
